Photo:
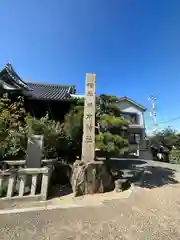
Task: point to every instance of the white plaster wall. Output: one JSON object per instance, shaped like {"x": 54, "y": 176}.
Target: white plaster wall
{"x": 126, "y": 106}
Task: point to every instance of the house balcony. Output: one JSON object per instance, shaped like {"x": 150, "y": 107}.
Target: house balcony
{"x": 133, "y": 118}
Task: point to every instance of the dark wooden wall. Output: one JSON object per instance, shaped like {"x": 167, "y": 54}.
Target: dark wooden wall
{"x": 56, "y": 109}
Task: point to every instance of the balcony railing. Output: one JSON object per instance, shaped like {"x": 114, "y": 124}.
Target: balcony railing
{"x": 131, "y": 117}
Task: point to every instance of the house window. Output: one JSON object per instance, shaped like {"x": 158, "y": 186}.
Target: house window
{"x": 134, "y": 138}
{"x": 132, "y": 117}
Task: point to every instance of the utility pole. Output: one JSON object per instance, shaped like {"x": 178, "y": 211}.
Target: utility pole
{"x": 153, "y": 112}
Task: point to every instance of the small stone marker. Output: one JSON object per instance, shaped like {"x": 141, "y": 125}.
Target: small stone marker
{"x": 88, "y": 144}
{"x": 34, "y": 151}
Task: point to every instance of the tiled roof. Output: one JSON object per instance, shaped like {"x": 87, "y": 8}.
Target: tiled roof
{"x": 39, "y": 90}
{"x": 15, "y": 76}
{"x": 50, "y": 92}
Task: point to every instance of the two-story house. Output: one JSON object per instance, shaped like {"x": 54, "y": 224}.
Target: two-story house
{"x": 136, "y": 133}
{"x": 134, "y": 112}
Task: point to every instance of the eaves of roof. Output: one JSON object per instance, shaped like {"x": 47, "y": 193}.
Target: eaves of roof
{"x": 133, "y": 102}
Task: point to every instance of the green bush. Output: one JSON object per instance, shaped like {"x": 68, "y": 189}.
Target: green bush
{"x": 16, "y": 126}
{"x": 12, "y": 132}
{"x": 60, "y": 139}
{"x": 174, "y": 156}
{"x": 54, "y": 137}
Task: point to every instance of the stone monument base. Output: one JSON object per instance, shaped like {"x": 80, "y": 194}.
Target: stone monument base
{"x": 90, "y": 178}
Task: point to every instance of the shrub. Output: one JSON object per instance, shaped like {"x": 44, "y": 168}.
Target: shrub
{"x": 174, "y": 156}
{"x": 54, "y": 137}
{"x": 12, "y": 134}
{"x": 16, "y": 126}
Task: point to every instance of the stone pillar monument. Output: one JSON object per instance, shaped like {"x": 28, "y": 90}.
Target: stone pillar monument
{"x": 90, "y": 176}
{"x": 88, "y": 142}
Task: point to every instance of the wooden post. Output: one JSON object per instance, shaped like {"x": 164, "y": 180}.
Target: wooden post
{"x": 88, "y": 143}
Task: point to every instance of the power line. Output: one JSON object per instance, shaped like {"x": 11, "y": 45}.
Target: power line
{"x": 170, "y": 120}
{"x": 151, "y": 127}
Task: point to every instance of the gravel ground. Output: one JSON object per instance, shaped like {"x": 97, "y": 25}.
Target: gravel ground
{"x": 147, "y": 214}
{"x": 152, "y": 212}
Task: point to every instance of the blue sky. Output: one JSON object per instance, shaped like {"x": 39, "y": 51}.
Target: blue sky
{"x": 132, "y": 45}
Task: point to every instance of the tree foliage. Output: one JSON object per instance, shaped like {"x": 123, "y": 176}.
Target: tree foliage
{"x": 167, "y": 138}
{"x": 109, "y": 125}
{"x": 12, "y": 132}
{"x": 73, "y": 127}
{"x": 16, "y": 126}
{"x": 166, "y": 142}
{"x": 53, "y": 132}
{"x": 60, "y": 139}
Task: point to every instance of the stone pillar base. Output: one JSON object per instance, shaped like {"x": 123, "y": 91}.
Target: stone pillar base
{"x": 90, "y": 178}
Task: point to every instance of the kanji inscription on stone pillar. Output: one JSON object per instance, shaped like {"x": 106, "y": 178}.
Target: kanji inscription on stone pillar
{"x": 88, "y": 144}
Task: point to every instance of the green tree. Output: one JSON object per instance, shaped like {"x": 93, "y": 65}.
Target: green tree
{"x": 167, "y": 138}
{"x": 12, "y": 134}
{"x": 16, "y": 126}
{"x": 109, "y": 126}
{"x": 54, "y": 137}
{"x": 110, "y": 139}
{"x": 60, "y": 139}
{"x": 73, "y": 127}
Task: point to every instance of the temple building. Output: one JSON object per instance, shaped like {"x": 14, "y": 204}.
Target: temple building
{"x": 39, "y": 98}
